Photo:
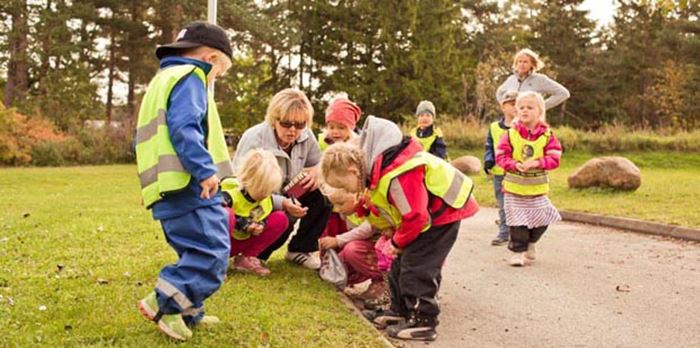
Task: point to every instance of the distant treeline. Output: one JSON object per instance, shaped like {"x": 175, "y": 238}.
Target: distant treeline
{"x": 642, "y": 71}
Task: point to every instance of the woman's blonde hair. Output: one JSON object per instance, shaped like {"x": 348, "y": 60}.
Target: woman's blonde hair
{"x": 538, "y": 99}
{"x": 260, "y": 173}
{"x": 339, "y": 157}
{"x": 289, "y": 101}
{"x": 537, "y": 63}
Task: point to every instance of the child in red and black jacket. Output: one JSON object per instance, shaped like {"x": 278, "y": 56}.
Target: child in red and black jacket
{"x": 389, "y": 173}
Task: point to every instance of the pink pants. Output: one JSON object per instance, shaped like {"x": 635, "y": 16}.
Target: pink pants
{"x": 275, "y": 224}
{"x": 358, "y": 255}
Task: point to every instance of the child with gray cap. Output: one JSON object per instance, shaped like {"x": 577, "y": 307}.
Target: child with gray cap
{"x": 494, "y": 134}
{"x": 427, "y": 134}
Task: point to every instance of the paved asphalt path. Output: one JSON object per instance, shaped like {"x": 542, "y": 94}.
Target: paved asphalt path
{"x": 590, "y": 287}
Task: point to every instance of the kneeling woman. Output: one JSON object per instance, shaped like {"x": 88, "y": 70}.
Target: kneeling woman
{"x": 422, "y": 199}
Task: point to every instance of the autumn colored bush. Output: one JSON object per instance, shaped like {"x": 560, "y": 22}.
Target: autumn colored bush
{"x": 19, "y": 134}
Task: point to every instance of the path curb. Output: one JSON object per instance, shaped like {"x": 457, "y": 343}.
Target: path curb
{"x": 348, "y": 303}
{"x": 633, "y": 225}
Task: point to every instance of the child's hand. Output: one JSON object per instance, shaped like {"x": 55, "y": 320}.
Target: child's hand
{"x": 328, "y": 243}
{"x": 387, "y": 232}
{"x": 531, "y": 164}
{"x": 310, "y": 181}
{"x": 294, "y": 209}
{"x": 254, "y": 228}
{"x": 209, "y": 186}
{"x": 520, "y": 167}
{"x": 394, "y": 251}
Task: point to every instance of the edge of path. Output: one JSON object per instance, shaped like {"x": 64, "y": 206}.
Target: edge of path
{"x": 634, "y": 225}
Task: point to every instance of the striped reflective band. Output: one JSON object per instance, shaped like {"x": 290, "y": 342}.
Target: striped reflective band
{"x": 150, "y": 129}
{"x": 537, "y": 180}
{"x": 172, "y": 292}
{"x": 455, "y": 187}
{"x": 224, "y": 169}
{"x": 166, "y": 163}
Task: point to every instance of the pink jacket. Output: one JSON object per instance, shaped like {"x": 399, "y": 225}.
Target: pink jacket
{"x": 552, "y": 151}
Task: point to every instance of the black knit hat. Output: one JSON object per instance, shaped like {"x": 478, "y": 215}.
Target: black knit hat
{"x": 197, "y": 34}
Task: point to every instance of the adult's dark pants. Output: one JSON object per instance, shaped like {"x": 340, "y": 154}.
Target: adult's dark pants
{"x": 310, "y": 227}
{"x": 416, "y": 273}
{"x": 521, "y": 237}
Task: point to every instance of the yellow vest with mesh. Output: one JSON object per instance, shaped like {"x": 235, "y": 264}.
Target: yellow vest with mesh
{"x": 426, "y": 142}
{"x": 255, "y": 211}
{"x": 322, "y": 144}
{"x": 441, "y": 180}
{"x": 496, "y": 134}
{"x": 534, "y": 182}
{"x": 160, "y": 170}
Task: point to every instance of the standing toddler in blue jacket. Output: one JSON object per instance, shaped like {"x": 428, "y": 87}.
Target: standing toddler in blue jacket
{"x": 181, "y": 156}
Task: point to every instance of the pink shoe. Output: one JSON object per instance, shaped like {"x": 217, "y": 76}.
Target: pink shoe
{"x": 250, "y": 264}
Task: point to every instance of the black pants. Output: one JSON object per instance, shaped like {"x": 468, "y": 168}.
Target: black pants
{"x": 521, "y": 236}
{"x": 416, "y": 273}
{"x": 310, "y": 227}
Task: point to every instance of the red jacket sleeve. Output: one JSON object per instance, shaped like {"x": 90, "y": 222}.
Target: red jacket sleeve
{"x": 552, "y": 154}
{"x": 410, "y": 196}
{"x": 504, "y": 154}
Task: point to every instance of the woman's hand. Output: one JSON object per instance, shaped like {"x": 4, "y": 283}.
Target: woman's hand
{"x": 328, "y": 243}
{"x": 294, "y": 209}
{"x": 310, "y": 181}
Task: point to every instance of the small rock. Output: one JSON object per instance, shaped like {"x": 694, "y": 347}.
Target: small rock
{"x": 59, "y": 267}
{"x": 67, "y": 327}
{"x": 10, "y": 301}
{"x": 469, "y": 165}
{"x": 100, "y": 228}
{"x": 42, "y": 308}
{"x": 102, "y": 281}
{"x": 127, "y": 274}
{"x": 623, "y": 288}
{"x": 26, "y": 215}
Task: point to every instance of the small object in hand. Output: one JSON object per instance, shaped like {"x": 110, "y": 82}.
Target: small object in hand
{"x": 294, "y": 189}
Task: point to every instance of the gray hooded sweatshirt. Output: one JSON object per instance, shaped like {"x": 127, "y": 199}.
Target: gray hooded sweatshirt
{"x": 378, "y": 134}
{"x": 535, "y": 82}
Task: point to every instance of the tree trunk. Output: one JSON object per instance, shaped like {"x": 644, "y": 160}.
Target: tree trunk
{"x": 18, "y": 65}
{"x": 110, "y": 81}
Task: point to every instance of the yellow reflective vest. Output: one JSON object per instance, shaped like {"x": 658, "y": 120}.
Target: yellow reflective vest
{"x": 245, "y": 207}
{"x": 160, "y": 170}
{"x": 496, "y": 134}
{"x": 441, "y": 180}
{"x": 534, "y": 182}
{"x": 322, "y": 144}
{"x": 426, "y": 142}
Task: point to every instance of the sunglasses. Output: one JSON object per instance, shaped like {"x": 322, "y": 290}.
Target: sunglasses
{"x": 290, "y": 124}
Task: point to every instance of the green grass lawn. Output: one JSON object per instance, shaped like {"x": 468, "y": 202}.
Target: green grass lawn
{"x": 670, "y": 188}
{"x": 77, "y": 251}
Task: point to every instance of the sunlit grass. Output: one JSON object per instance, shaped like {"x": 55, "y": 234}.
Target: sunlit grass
{"x": 77, "y": 251}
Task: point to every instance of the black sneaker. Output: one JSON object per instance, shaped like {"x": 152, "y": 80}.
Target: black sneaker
{"x": 381, "y": 318}
{"x": 499, "y": 241}
{"x": 416, "y": 329}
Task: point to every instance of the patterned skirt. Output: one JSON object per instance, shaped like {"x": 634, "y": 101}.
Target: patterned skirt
{"x": 530, "y": 211}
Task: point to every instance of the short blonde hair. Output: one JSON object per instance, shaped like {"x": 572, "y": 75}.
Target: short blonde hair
{"x": 537, "y": 63}
{"x": 341, "y": 156}
{"x": 260, "y": 173}
{"x": 287, "y": 102}
{"x": 538, "y": 99}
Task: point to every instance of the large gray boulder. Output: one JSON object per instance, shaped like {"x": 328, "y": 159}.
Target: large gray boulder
{"x": 615, "y": 172}
{"x": 469, "y": 165}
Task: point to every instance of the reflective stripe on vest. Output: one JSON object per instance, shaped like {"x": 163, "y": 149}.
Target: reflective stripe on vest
{"x": 531, "y": 183}
{"x": 255, "y": 211}
{"x": 160, "y": 170}
{"x": 496, "y": 135}
{"x": 428, "y": 141}
{"x": 441, "y": 180}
